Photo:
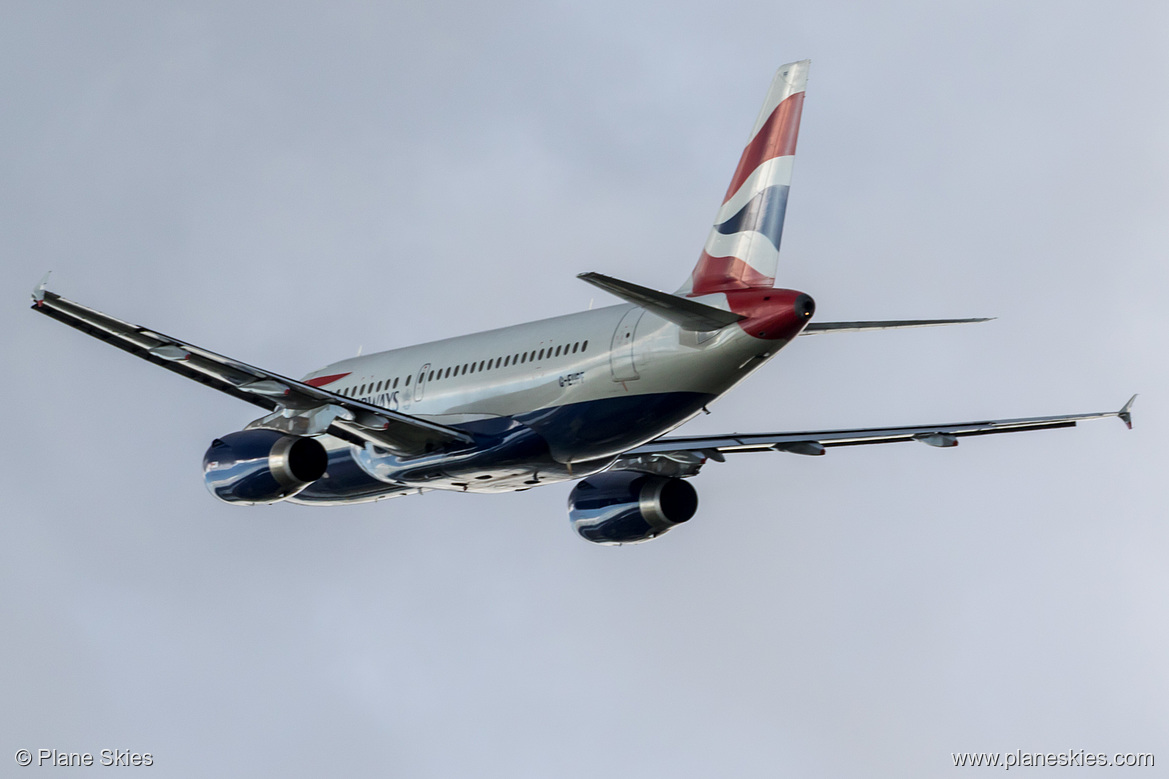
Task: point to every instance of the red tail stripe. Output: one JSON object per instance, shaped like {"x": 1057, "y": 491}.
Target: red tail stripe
{"x": 776, "y": 138}
{"x": 719, "y": 274}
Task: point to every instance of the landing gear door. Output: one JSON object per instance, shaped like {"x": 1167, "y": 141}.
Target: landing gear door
{"x": 621, "y": 350}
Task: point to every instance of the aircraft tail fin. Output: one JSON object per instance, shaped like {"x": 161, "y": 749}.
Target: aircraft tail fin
{"x": 742, "y": 250}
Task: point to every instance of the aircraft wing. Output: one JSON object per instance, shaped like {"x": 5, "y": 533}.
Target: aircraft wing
{"x": 298, "y": 408}
{"x": 815, "y": 442}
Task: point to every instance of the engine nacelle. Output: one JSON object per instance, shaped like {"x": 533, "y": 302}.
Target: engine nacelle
{"x": 628, "y": 507}
{"x": 262, "y": 466}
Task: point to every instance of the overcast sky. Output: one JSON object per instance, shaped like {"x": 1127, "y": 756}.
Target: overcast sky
{"x": 288, "y": 183}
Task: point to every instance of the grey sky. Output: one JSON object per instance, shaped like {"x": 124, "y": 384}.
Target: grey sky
{"x": 288, "y": 183}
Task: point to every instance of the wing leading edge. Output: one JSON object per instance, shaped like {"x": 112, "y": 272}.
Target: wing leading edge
{"x": 297, "y": 408}
{"x": 815, "y": 442}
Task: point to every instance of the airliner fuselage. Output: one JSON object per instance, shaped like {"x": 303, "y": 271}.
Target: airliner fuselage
{"x": 550, "y": 400}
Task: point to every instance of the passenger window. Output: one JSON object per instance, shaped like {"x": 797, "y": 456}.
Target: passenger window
{"x": 448, "y": 373}
{"x": 575, "y": 346}
{"x": 524, "y": 357}
{"x": 558, "y": 351}
{"x": 584, "y": 346}
{"x": 395, "y": 382}
{"x": 408, "y": 379}
{"x": 431, "y": 376}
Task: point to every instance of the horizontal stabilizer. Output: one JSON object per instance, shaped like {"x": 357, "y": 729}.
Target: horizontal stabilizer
{"x": 686, "y": 314}
{"x": 890, "y": 324}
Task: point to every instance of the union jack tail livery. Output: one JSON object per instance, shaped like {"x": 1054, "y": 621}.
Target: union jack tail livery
{"x": 742, "y": 251}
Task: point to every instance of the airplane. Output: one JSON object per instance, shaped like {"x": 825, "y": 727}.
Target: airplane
{"x": 586, "y": 397}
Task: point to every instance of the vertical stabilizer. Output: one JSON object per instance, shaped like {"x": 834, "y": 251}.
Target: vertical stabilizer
{"x": 743, "y": 248}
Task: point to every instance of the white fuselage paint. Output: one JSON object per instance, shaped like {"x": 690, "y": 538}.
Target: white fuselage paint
{"x": 629, "y": 353}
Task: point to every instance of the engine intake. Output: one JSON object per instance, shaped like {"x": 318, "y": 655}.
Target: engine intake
{"x": 262, "y": 466}
{"x": 628, "y": 507}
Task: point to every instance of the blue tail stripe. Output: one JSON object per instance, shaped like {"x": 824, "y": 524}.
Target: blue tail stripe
{"x": 762, "y": 214}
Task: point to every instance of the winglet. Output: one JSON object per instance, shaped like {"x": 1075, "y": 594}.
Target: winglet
{"x": 38, "y": 293}
{"x": 1125, "y": 413}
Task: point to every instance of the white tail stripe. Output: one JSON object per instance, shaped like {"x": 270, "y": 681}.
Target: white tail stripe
{"x": 777, "y": 170}
{"x": 753, "y": 248}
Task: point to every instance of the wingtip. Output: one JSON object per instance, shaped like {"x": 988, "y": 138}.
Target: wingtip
{"x": 1125, "y": 412}
{"x": 38, "y": 292}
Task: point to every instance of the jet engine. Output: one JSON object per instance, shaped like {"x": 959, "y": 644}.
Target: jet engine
{"x": 262, "y": 466}
{"x": 628, "y": 507}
